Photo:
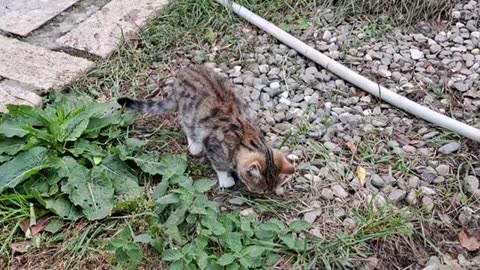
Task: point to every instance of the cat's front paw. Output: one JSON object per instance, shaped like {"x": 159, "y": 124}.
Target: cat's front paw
{"x": 226, "y": 182}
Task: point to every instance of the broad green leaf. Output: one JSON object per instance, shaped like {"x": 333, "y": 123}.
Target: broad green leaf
{"x": 170, "y": 255}
{"x": 21, "y": 167}
{"x": 157, "y": 244}
{"x": 168, "y": 199}
{"x": 41, "y": 134}
{"x": 11, "y": 146}
{"x": 144, "y": 238}
{"x": 299, "y": 225}
{"x": 82, "y": 147}
{"x": 4, "y": 158}
{"x": 245, "y": 226}
{"x": 272, "y": 259}
{"x": 274, "y": 225}
{"x": 128, "y": 118}
{"x": 265, "y": 234}
{"x": 177, "y": 216}
{"x": 64, "y": 166}
{"x": 76, "y": 123}
{"x": 128, "y": 252}
{"x": 233, "y": 266}
{"x": 202, "y": 259}
{"x": 254, "y": 251}
{"x": 93, "y": 192}
{"x": 183, "y": 181}
{"x": 226, "y": 259}
{"x": 233, "y": 241}
{"x": 123, "y": 180}
{"x": 54, "y": 225}
{"x": 160, "y": 189}
{"x": 211, "y": 223}
{"x": 174, "y": 233}
{"x": 300, "y": 245}
{"x": 204, "y": 185}
{"x": 168, "y": 166}
{"x": 11, "y": 127}
{"x": 178, "y": 265}
{"x": 110, "y": 116}
{"x": 35, "y": 185}
{"x": 246, "y": 262}
{"x": 173, "y": 165}
{"x": 288, "y": 240}
{"x": 192, "y": 218}
{"x": 147, "y": 162}
{"x": 31, "y": 116}
{"x": 95, "y": 125}
{"x": 199, "y": 205}
{"x": 63, "y": 208}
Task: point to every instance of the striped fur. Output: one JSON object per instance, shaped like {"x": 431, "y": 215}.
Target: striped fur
{"x": 213, "y": 118}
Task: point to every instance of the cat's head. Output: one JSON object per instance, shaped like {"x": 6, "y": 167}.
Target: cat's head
{"x": 262, "y": 173}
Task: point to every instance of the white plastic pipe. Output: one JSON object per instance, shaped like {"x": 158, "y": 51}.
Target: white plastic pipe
{"x": 353, "y": 77}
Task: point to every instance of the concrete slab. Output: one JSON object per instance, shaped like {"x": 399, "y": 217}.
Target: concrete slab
{"x": 46, "y": 35}
{"x": 100, "y": 33}
{"x": 38, "y": 66}
{"x": 13, "y": 92}
{"x": 21, "y": 17}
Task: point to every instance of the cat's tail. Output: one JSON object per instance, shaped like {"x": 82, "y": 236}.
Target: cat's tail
{"x": 149, "y": 106}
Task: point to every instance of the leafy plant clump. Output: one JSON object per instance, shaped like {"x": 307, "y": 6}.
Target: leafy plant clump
{"x": 71, "y": 158}
{"x": 190, "y": 232}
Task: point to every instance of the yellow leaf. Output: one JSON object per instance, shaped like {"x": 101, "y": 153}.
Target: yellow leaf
{"x": 362, "y": 175}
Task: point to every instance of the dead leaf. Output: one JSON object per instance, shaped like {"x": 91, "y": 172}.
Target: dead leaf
{"x": 41, "y": 224}
{"x": 360, "y": 93}
{"x": 362, "y": 175}
{"x": 468, "y": 241}
{"x": 30, "y": 231}
{"x": 351, "y": 146}
{"x": 20, "y": 247}
{"x": 102, "y": 98}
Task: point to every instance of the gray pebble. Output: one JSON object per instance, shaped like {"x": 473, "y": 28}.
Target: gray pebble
{"x": 449, "y": 148}
{"x": 397, "y": 195}
{"x": 413, "y": 182}
{"x": 263, "y": 68}
{"x": 327, "y": 194}
{"x": 236, "y": 201}
{"x": 471, "y": 184}
{"x": 427, "y": 191}
{"x": 332, "y": 147}
{"x": 411, "y": 198}
{"x": 311, "y": 216}
{"x": 427, "y": 203}
{"x": 339, "y": 191}
{"x": 428, "y": 176}
{"x": 443, "y": 169}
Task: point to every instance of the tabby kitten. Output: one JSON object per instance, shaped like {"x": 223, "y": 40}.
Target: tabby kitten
{"x": 212, "y": 116}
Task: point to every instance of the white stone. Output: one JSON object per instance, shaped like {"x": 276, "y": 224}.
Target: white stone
{"x": 385, "y": 73}
{"x": 416, "y": 54}
{"x": 37, "y": 66}
{"x": 21, "y": 17}
{"x": 101, "y": 33}
{"x": 12, "y": 92}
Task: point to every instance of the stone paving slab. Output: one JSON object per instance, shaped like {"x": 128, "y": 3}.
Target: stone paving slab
{"x": 21, "y": 17}
{"x": 38, "y": 66}
{"x": 13, "y": 92}
{"x": 99, "y": 34}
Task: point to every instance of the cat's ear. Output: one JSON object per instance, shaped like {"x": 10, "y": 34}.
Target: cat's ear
{"x": 253, "y": 169}
{"x": 283, "y": 165}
